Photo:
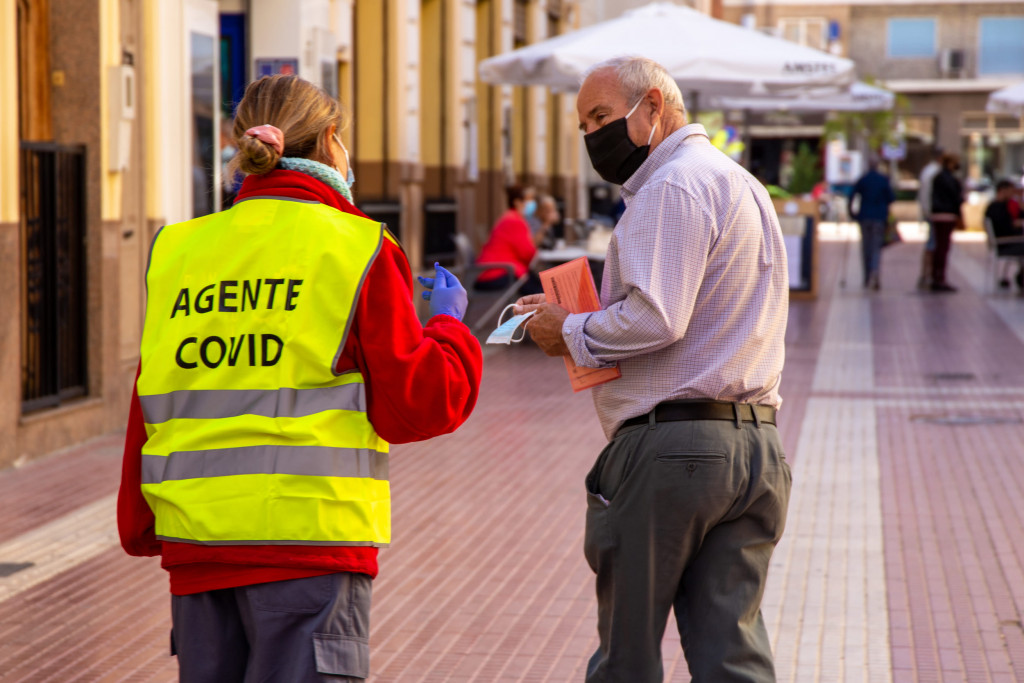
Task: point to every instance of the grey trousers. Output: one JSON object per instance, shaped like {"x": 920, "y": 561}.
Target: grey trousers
{"x": 313, "y": 629}
{"x": 685, "y": 516}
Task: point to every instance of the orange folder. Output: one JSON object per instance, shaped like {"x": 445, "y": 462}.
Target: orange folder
{"x": 571, "y": 286}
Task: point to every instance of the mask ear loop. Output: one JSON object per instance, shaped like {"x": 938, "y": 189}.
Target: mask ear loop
{"x": 523, "y": 328}
{"x": 500, "y": 322}
{"x": 651, "y": 136}
{"x": 502, "y": 314}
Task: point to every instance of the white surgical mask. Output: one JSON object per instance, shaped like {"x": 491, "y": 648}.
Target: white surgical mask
{"x": 351, "y": 179}
{"x": 504, "y": 334}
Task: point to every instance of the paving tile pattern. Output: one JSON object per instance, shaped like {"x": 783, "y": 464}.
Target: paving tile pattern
{"x": 902, "y": 560}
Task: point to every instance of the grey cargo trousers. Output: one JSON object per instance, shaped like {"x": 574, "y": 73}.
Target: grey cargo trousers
{"x": 685, "y": 516}
{"x": 314, "y": 629}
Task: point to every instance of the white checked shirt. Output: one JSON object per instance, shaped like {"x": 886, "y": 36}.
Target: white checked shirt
{"x": 695, "y": 293}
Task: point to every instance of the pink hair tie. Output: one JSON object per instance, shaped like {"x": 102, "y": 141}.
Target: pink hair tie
{"x": 268, "y": 134}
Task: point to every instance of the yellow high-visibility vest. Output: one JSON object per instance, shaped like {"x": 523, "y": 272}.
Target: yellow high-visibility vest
{"x": 252, "y": 436}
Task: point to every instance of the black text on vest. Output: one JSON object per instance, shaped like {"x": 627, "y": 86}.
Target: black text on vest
{"x": 234, "y": 296}
{"x": 246, "y": 349}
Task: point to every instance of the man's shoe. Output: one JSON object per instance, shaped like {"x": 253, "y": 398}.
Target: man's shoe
{"x": 943, "y": 287}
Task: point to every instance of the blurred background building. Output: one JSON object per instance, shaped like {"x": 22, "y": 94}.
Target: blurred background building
{"x": 113, "y": 123}
{"x": 943, "y": 57}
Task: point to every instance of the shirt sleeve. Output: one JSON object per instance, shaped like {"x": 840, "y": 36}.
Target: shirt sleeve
{"x": 135, "y": 521}
{"x": 421, "y": 382}
{"x": 661, "y": 252}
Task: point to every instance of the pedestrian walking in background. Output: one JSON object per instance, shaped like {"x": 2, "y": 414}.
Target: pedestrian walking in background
{"x": 281, "y": 353}
{"x": 870, "y": 200}
{"x": 924, "y": 202}
{"x": 1004, "y": 214}
{"x": 947, "y": 198}
{"x": 688, "y": 500}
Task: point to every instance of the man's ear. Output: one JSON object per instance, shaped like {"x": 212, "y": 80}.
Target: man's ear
{"x": 657, "y": 100}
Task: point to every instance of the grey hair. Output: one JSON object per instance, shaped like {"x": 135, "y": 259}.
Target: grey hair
{"x": 637, "y": 75}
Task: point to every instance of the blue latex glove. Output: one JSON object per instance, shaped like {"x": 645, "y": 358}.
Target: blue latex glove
{"x": 445, "y": 293}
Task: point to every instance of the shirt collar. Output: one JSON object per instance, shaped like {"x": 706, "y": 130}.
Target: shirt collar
{"x": 662, "y": 153}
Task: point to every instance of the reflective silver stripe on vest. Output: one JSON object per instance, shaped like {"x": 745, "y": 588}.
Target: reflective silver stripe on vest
{"x": 174, "y": 539}
{"x": 220, "y": 403}
{"x": 310, "y": 461}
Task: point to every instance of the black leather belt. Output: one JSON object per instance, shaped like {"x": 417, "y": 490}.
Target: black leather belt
{"x": 676, "y": 411}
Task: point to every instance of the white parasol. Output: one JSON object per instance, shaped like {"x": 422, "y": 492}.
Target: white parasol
{"x": 861, "y": 97}
{"x": 704, "y": 55}
{"x": 1008, "y": 100}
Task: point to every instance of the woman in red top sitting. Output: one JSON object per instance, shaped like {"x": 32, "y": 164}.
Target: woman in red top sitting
{"x": 511, "y": 242}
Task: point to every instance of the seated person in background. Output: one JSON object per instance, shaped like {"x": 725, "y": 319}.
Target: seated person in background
{"x": 546, "y": 219}
{"x": 1004, "y": 213}
{"x": 511, "y": 242}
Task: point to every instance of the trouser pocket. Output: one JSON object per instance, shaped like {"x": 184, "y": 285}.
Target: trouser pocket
{"x": 341, "y": 655}
{"x": 342, "y": 647}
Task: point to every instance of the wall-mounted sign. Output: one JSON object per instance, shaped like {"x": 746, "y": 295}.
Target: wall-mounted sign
{"x": 288, "y": 66}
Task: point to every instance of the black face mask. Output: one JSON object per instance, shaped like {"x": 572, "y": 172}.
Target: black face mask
{"x": 613, "y": 155}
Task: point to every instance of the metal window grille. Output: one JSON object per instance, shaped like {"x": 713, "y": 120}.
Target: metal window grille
{"x": 53, "y": 365}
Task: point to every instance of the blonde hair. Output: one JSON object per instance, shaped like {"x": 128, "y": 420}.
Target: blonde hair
{"x": 302, "y": 111}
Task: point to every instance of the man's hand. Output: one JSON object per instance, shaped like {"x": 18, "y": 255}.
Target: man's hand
{"x": 545, "y": 327}
{"x": 525, "y": 304}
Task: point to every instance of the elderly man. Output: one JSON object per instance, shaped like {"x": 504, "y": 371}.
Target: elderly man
{"x": 688, "y": 500}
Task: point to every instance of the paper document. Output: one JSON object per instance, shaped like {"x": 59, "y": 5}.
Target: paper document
{"x": 571, "y": 286}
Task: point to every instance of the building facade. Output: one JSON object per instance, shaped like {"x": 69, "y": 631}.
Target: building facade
{"x": 943, "y": 57}
{"x": 113, "y": 125}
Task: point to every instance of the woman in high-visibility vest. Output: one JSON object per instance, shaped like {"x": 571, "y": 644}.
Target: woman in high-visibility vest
{"x": 281, "y": 355}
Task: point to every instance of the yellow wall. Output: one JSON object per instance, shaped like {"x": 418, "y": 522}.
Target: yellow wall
{"x": 489, "y": 98}
{"x": 110, "y": 55}
{"x": 452, "y": 98}
{"x": 147, "y": 92}
{"x": 431, "y": 66}
{"x": 346, "y": 96}
{"x": 370, "y": 67}
{"x": 8, "y": 112}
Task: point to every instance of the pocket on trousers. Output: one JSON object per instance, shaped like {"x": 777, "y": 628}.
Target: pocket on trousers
{"x": 692, "y": 456}
{"x": 596, "y": 537}
{"x": 303, "y": 596}
{"x": 617, "y": 462}
{"x": 594, "y": 498}
{"x": 341, "y": 655}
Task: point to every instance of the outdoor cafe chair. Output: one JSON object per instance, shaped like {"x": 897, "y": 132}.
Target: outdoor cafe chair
{"x": 467, "y": 270}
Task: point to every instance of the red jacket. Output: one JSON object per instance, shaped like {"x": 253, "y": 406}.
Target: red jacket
{"x": 510, "y": 242}
{"x": 407, "y": 368}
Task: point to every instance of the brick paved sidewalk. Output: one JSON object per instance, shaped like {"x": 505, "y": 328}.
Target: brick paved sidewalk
{"x": 903, "y": 560}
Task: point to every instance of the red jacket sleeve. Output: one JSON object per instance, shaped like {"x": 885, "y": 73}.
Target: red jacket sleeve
{"x": 421, "y": 382}
{"x": 135, "y": 520}
{"x": 521, "y": 242}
